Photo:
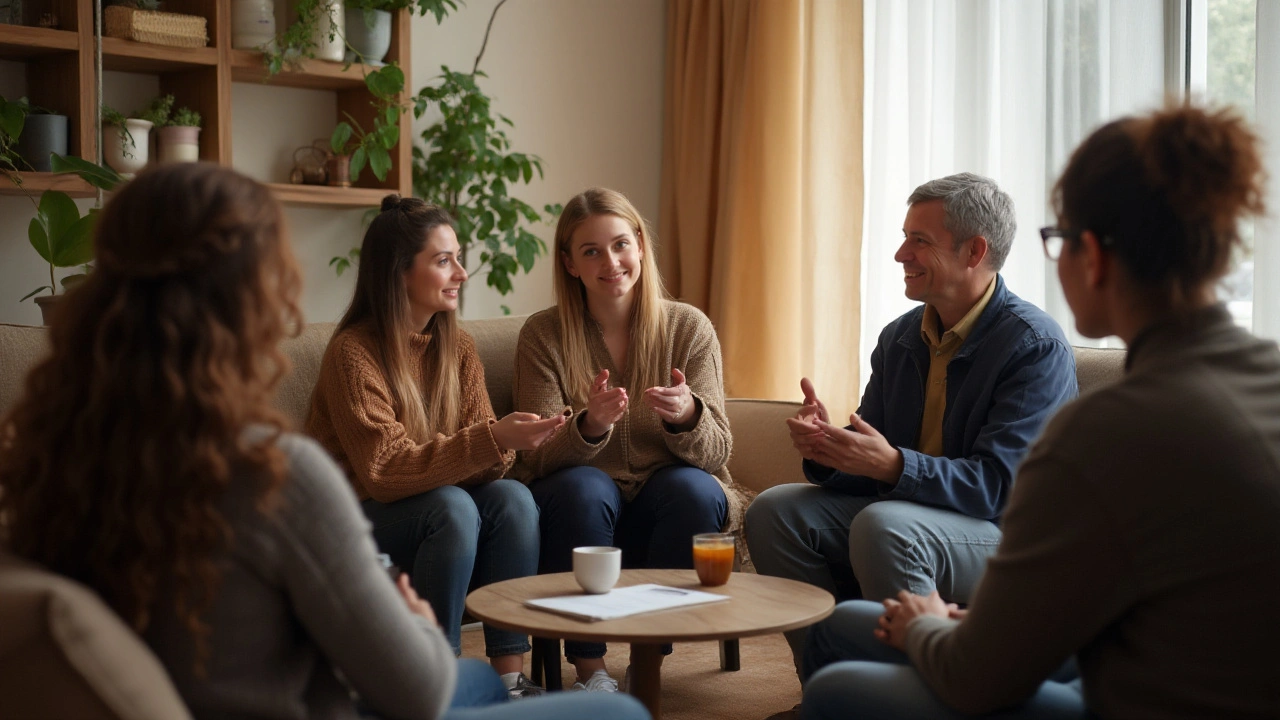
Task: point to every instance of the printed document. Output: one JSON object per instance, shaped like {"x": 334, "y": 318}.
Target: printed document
{"x": 622, "y": 602}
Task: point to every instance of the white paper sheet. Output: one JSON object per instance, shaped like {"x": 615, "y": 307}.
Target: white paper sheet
{"x": 622, "y": 602}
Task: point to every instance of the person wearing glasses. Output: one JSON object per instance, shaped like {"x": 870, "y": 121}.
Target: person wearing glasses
{"x": 1143, "y": 534}
{"x": 910, "y": 493}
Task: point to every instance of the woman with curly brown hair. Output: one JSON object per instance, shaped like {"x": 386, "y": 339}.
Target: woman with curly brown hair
{"x": 145, "y": 461}
{"x": 1143, "y": 534}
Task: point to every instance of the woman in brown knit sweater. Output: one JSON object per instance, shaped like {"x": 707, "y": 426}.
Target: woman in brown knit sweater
{"x": 401, "y": 405}
{"x": 647, "y": 475}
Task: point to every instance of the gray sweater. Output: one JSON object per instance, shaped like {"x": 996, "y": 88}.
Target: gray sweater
{"x": 1143, "y": 534}
{"x": 302, "y": 598}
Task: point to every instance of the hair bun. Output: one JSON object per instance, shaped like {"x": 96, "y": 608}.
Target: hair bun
{"x": 391, "y": 202}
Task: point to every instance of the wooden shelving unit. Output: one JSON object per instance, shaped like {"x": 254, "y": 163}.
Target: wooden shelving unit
{"x": 60, "y": 77}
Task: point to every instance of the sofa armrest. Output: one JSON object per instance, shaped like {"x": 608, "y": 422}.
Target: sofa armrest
{"x": 762, "y": 452}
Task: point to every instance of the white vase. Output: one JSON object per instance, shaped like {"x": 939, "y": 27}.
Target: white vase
{"x": 179, "y": 143}
{"x": 331, "y": 21}
{"x": 253, "y": 24}
{"x": 369, "y": 45}
{"x": 126, "y": 153}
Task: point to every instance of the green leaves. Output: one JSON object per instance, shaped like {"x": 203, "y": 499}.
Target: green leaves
{"x": 59, "y": 234}
{"x": 373, "y": 148}
{"x": 464, "y": 164}
{"x": 93, "y": 173}
{"x": 338, "y": 140}
{"x": 13, "y": 117}
{"x": 386, "y": 82}
{"x": 341, "y": 263}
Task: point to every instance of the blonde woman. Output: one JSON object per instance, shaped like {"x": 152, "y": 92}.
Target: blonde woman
{"x": 401, "y": 404}
{"x": 641, "y": 464}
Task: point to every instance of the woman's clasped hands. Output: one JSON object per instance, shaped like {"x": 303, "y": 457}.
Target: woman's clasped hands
{"x": 675, "y": 404}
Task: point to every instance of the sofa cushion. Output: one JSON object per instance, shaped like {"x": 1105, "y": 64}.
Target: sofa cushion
{"x": 63, "y": 653}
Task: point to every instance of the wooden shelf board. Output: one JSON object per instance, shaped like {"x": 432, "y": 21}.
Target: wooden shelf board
{"x": 247, "y": 67}
{"x": 129, "y": 56}
{"x": 325, "y": 196}
{"x": 19, "y": 42}
{"x": 34, "y": 183}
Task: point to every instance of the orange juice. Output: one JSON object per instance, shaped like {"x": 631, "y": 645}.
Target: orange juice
{"x": 713, "y": 558}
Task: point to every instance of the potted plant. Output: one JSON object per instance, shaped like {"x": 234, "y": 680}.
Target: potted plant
{"x": 322, "y": 24}
{"x": 180, "y": 138}
{"x": 29, "y": 135}
{"x": 58, "y": 232}
{"x": 368, "y": 24}
{"x": 352, "y": 144}
{"x": 125, "y": 144}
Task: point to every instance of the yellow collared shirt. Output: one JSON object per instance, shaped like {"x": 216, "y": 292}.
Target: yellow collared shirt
{"x": 941, "y": 350}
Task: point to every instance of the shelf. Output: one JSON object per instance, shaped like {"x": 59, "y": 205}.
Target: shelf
{"x": 129, "y": 56}
{"x": 34, "y": 183}
{"x": 247, "y": 66}
{"x": 19, "y": 42}
{"x": 325, "y": 196}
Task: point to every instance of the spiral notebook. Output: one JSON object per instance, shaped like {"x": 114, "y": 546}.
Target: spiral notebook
{"x": 623, "y": 602}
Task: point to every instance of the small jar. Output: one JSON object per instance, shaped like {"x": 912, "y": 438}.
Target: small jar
{"x": 253, "y": 24}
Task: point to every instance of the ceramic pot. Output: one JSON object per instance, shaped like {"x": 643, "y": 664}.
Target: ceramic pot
{"x": 339, "y": 168}
{"x": 48, "y": 307}
{"x": 42, "y": 135}
{"x": 331, "y": 20}
{"x": 253, "y": 24}
{"x": 369, "y": 45}
{"x": 179, "y": 143}
{"x": 126, "y": 153}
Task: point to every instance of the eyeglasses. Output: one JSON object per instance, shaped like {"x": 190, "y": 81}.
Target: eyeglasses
{"x": 1054, "y": 238}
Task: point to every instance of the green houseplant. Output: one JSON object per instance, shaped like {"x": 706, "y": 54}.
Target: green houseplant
{"x": 59, "y": 233}
{"x": 465, "y": 165}
{"x": 373, "y": 146}
{"x": 298, "y": 40}
{"x": 13, "y": 117}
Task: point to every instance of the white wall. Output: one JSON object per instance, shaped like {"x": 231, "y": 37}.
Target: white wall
{"x": 581, "y": 80}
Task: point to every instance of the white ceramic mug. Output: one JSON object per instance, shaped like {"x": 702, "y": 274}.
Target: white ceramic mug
{"x": 597, "y": 568}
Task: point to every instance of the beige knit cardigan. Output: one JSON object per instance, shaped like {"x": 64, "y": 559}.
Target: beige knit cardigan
{"x": 640, "y": 443}
{"x": 354, "y": 417}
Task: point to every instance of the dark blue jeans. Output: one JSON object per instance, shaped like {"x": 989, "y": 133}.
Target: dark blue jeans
{"x": 480, "y": 695}
{"x": 583, "y": 506}
{"x": 453, "y": 539}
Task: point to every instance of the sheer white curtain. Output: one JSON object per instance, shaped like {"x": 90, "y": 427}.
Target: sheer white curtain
{"x": 1003, "y": 88}
{"x": 1266, "y": 239}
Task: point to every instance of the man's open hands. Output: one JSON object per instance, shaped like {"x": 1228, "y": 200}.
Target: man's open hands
{"x": 859, "y": 450}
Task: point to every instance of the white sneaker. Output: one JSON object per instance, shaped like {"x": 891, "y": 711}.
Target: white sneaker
{"x": 598, "y": 682}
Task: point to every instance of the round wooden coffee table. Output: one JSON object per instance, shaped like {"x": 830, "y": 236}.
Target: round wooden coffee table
{"x": 758, "y": 605}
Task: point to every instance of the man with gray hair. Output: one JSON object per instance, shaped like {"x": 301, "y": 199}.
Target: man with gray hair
{"x": 908, "y": 496}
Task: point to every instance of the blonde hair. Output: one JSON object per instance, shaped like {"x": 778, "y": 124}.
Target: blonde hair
{"x": 646, "y": 352}
{"x": 381, "y": 303}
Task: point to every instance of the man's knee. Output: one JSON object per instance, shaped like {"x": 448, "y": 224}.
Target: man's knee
{"x": 884, "y": 548}
{"x": 775, "y": 511}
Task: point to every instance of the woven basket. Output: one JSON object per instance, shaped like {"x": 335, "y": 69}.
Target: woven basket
{"x": 159, "y": 28}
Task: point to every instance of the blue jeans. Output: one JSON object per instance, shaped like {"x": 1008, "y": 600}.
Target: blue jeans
{"x": 857, "y": 546}
{"x": 480, "y": 695}
{"x": 849, "y": 673}
{"x": 453, "y": 539}
{"x": 583, "y": 506}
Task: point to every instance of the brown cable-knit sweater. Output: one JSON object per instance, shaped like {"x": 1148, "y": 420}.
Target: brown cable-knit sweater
{"x": 354, "y": 417}
{"x": 640, "y": 443}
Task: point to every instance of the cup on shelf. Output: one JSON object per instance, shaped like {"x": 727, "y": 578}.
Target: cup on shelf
{"x": 597, "y": 568}
{"x": 713, "y": 557}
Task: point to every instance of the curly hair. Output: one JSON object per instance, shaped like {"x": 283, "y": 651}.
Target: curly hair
{"x": 127, "y": 436}
{"x": 1166, "y": 190}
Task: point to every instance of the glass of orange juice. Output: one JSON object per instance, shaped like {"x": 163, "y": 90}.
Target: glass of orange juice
{"x": 713, "y": 557}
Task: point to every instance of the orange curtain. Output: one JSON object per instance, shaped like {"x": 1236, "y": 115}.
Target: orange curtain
{"x": 761, "y": 200}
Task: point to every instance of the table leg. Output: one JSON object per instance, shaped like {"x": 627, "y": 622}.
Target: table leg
{"x": 646, "y": 677}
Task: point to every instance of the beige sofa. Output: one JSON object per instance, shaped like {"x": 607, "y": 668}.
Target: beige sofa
{"x": 762, "y": 457}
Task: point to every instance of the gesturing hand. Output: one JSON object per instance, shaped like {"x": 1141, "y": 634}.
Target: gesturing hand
{"x": 861, "y": 450}
{"x": 805, "y": 432}
{"x": 417, "y": 605}
{"x": 898, "y": 613}
{"x": 524, "y": 431}
{"x": 605, "y": 406}
{"x": 675, "y": 404}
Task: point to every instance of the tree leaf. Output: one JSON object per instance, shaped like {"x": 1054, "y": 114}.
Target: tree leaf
{"x": 71, "y": 281}
{"x": 357, "y": 163}
{"x": 92, "y": 173}
{"x": 75, "y": 246}
{"x": 379, "y": 162}
{"x": 56, "y": 214}
{"x": 386, "y": 82}
{"x": 338, "y": 141}
{"x": 37, "y": 291}
{"x": 39, "y": 238}
{"x": 13, "y": 116}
